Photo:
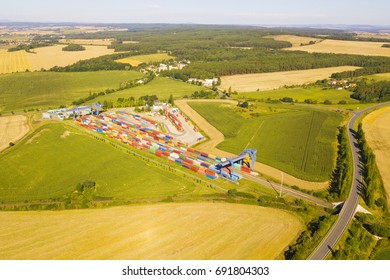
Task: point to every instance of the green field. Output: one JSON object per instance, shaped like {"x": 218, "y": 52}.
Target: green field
{"x": 147, "y": 58}
{"x": 299, "y": 141}
{"x": 300, "y": 94}
{"x": 379, "y": 77}
{"x": 50, "y": 163}
{"x": 162, "y": 87}
{"x": 21, "y": 91}
{"x": 383, "y": 255}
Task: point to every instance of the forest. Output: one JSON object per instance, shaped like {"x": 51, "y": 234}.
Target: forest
{"x": 220, "y": 51}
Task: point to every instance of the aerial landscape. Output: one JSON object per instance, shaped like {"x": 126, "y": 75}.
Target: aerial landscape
{"x": 126, "y": 139}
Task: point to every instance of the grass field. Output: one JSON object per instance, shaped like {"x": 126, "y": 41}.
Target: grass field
{"x": 13, "y": 61}
{"x": 267, "y": 81}
{"x": 175, "y": 231}
{"x": 148, "y": 58}
{"x": 12, "y": 128}
{"x": 376, "y": 127}
{"x": 383, "y": 255}
{"x": 294, "y": 40}
{"x": 299, "y": 141}
{"x": 51, "y": 161}
{"x": 162, "y": 87}
{"x": 44, "y": 89}
{"x": 379, "y": 77}
{"x": 300, "y": 94}
{"x": 345, "y": 47}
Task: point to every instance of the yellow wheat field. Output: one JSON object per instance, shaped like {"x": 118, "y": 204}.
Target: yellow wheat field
{"x": 12, "y": 128}
{"x": 377, "y": 129}
{"x": 158, "y": 231}
{"x": 148, "y": 58}
{"x": 46, "y": 58}
{"x": 294, "y": 40}
{"x": 13, "y": 61}
{"x": 268, "y": 81}
{"x": 345, "y": 47}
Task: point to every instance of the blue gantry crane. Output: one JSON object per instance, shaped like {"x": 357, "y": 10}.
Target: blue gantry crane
{"x": 242, "y": 159}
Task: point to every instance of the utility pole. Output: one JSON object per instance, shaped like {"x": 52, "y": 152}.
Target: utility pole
{"x": 281, "y": 185}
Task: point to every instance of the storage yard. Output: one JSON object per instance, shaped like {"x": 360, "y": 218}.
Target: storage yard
{"x": 143, "y": 132}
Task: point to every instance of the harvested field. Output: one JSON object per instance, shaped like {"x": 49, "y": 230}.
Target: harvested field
{"x": 90, "y": 42}
{"x": 161, "y": 231}
{"x": 268, "y": 81}
{"x": 377, "y": 129}
{"x": 295, "y": 40}
{"x": 216, "y": 137}
{"x": 13, "y": 61}
{"x": 48, "y": 57}
{"x": 148, "y": 58}
{"x": 12, "y": 128}
{"x": 345, "y": 47}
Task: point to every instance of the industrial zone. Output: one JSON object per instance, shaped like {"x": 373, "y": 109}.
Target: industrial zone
{"x": 169, "y": 135}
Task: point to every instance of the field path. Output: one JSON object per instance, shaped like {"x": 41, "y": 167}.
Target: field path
{"x": 377, "y": 130}
{"x": 217, "y": 137}
{"x": 12, "y": 128}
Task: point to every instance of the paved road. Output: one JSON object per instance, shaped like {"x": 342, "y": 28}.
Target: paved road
{"x": 350, "y": 205}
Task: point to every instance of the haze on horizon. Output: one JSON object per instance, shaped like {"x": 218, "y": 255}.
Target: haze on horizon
{"x": 251, "y": 12}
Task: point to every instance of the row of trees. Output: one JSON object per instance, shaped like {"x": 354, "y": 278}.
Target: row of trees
{"x": 342, "y": 174}
{"x": 383, "y": 67}
{"x": 372, "y": 185}
{"x": 307, "y": 241}
{"x": 127, "y": 85}
{"x": 106, "y": 62}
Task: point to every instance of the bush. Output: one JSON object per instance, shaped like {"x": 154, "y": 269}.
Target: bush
{"x": 287, "y": 99}
{"x": 327, "y": 102}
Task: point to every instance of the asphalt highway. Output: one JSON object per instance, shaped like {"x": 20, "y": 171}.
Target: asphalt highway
{"x": 350, "y": 205}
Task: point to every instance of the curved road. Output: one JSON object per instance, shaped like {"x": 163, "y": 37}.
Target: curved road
{"x": 350, "y": 205}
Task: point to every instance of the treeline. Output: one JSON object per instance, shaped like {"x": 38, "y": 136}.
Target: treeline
{"x": 386, "y": 46}
{"x": 106, "y": 62}
{"x": 223, "y": 62}
{"x": 342, "y": 174}
{"x": 203, "y": 94}
{"x": 356, "y": 244}
{"x": 131, "y": 102}
{"x": 309, "y": 238}
{"x": 372, "y": 189}
{"x": 372, "y": 91}
{"x": 123, "y": 86}
{"x": 32, "y": 45}
{"x": 383, "y": 67}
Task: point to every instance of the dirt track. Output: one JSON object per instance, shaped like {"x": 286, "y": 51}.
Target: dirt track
{"x": 217, "y": 137}
{"x": 12, "y": 128}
